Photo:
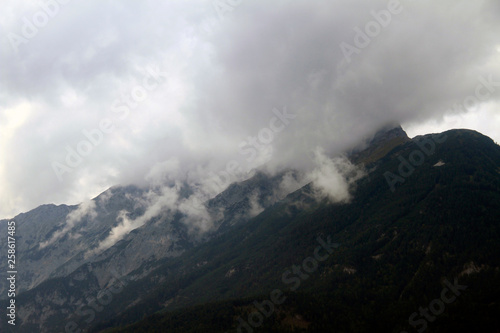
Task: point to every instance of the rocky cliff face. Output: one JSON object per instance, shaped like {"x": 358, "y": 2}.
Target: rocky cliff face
{"x": 60, "y": 247}
{"x": 379, "y": 145}
{"x": 61, "y": 269}
{"x": 54, "y": 241}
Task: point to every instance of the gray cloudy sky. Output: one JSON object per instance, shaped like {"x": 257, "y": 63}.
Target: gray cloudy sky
{"x": 174, "y": 89}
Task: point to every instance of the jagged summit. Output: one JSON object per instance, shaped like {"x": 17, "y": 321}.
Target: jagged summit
{"x": 389, "y": 133}
{"x": 382, "y": 143}
{"x": 383, "y": 236}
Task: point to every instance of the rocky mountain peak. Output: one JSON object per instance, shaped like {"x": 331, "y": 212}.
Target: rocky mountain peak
{"x": 380, "y": 144}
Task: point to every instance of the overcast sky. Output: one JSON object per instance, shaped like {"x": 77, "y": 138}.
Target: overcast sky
{"x": 99, "y": 93}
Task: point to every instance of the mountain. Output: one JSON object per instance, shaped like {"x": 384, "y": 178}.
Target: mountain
{"x": 54, "y": 241}
{"x": 377, "y": 147}
{"x": 397, "y": 252}
{"x": 424, "y": 217}
{"x": 60, "y": 246}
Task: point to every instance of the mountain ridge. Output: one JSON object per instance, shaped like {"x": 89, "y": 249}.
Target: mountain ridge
{"x": 427, "y": 263}
{"x": 280, "y": 224}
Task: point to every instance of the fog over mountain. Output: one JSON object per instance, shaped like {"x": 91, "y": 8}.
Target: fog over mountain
{"x": 200, "y": 93}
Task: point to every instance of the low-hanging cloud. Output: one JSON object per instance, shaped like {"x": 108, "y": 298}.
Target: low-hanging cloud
{"x": 160, "y": 201}
{"x": 86, "y": 209}
{"x": 333, "y": 178}
{"x": 155, "y": 202}
{"x": 217, "y": 89}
